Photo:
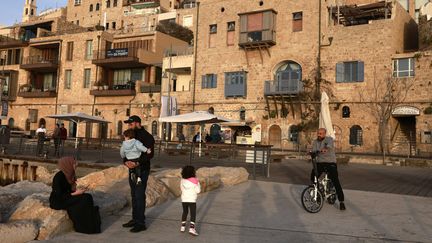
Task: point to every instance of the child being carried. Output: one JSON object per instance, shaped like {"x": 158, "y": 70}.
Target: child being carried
{"x": 131, "y": 149}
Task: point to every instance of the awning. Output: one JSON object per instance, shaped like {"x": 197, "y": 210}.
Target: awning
{"x": 197, "y": 117}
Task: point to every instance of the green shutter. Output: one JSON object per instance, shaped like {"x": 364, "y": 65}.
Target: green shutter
{"x": 340, "y": 72}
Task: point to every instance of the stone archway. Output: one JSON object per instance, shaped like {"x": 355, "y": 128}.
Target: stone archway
{"x": 275, "y": 136}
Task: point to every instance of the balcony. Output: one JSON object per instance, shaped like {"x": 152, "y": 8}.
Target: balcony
{"x": 257, "y": 29}
{"x": 291, "y": 87}
{"x": 37, "y": 94}
{"x": 9, "y": 42}
{"x": 150, "y": 88}
{"x": 119, "y": 58}
{"x": 39, "y": 63}
{"x": 115, "y": 90}
{"x": 178, "y": 60}
{"x": 142, "y": 3}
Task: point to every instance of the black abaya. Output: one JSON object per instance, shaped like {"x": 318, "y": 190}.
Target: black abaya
{"x": 81, "y": 210}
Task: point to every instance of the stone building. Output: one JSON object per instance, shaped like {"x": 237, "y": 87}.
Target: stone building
{"x": 52, "y": 66}
{"x": 258, "y": 63}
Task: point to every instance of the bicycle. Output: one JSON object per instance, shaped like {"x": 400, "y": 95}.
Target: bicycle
{"x": 314, "y": 195}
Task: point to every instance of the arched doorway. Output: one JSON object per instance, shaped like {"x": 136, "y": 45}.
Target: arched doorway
{"x": 154, "y": 128}
{"x": 119, "y": 128}
{"x": 293, "y": 134}
{"x": 42, "y": 122}
{"x": 103, "y": 130}
{"x": 72, "y": 129}
{"x": 215, "y": 131}
{"x": 11, "y": 123}
{"x": 27, "y": 125}
{"x": 275, "y": 136}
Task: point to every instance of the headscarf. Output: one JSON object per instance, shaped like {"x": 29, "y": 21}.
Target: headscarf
{"x": 66, "y": 165}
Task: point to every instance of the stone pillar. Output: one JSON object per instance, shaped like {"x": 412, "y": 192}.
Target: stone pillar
{"x": 152, "y": 77}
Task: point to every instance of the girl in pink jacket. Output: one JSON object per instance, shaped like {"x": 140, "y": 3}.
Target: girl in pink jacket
{"x": 190, "y": 187}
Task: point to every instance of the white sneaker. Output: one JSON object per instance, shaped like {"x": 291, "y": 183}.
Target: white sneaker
{"x": 183, "y": 227}
{"x": 192, "y": 231}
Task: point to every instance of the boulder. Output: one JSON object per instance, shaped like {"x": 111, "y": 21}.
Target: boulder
{"x": 229, "y": 176}
{"x": 156, "y": 192}
{"x": 209, "y": 183}
{"x": 109, "y": 203}
{"x": 12, "y": 194}
{"x": 18, "y": 231}
{"x": 36, "y": 209}
{"x": 169, "y": 173}
{"x": 44, "y": 175}
{"x": 104, "y": 179}
{"x": 173, "y": 185}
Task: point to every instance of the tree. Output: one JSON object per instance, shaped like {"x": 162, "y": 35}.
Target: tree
{"x": 384, "y": 96}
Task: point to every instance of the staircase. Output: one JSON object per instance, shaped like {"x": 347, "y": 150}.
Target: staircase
{"x": 404, "y": 139}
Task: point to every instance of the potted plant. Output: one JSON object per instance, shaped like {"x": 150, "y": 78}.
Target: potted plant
{"x": 96, "y": 85}
{"x": 105, "y": 86}
{"x": 26, "y": 87}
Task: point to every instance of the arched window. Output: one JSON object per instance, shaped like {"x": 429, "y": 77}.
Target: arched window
{"x": 154, "y": 129}
{"x": 27, "y": 125}
{"x": 294, "y": 134}
{"x": 242, "y": 113}
{"x": 288, "y": 76}
{"x": 42, "y": 122}
{"x": 26, "y": 11}
{"x": 108, "y": 3}
{"x": 119, "y": 128}
{"x": 356, "y": 135}
{"x": 211, "y": 110}
{"x": 346, "y": 112}
{"x": 32, "y": 12}
{"x": 115, "y": 3}
{"x": 97, "y": 6}
{"x": 11, "y": 123}
{"x": 91, "y": 8}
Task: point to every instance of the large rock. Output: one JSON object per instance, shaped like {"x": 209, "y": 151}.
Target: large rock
{"x": 103, "y": 180}
{"x": 50, "y": 222}
{"x": 209, "y": 183}
{"x": 156, "y": 192}
{"x": 173, "y": 185}
{"x": 228, "y": 175}
{"x": 12, "y": 194}
{"x": 44, "y": 175}
{"x": 18, "y": 232}
{"x": 109, "y": 203}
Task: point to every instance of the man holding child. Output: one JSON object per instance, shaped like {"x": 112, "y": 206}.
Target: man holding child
{"x": 139, "y": 170}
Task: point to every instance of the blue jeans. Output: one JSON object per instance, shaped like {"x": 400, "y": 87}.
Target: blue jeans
{"x": 139, "y": 197}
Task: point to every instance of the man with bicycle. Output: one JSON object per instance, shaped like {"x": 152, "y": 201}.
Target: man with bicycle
{"x": 326, "y": 161}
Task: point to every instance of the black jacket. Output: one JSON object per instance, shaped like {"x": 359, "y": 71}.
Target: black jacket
{"x": 148, "y": 141}
{"x": 61, "y": 192}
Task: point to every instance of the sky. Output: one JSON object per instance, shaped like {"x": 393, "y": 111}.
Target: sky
{"x": 11, "y": 10}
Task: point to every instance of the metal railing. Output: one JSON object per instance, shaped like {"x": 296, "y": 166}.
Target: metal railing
{"x": 283, "y": 87}
{"x": 179, "y": 51}
{"x": 116, "y": 53}
{"x": 29, "y": 60}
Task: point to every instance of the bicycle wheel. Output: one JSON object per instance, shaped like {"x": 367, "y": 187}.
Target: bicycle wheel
{"x": 309, "y": 203}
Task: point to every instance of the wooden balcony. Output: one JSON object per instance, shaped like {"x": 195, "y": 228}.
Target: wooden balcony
{"x": 39, "y": 63}
{"x": 291, "y": 87}
{"x": 37, "y": 94}
{"x": 114, "y": 92}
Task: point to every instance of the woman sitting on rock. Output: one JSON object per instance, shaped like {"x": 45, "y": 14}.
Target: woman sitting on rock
{"x": 79, "y": 205}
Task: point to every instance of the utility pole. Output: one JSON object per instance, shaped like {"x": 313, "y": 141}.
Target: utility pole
{"x": 167, "y": 130}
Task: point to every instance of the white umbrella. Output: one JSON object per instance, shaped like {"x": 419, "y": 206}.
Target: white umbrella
{"x": 196, "y": 117}
{"x": 324, "y": 117}
{"x": 78, "y": 118}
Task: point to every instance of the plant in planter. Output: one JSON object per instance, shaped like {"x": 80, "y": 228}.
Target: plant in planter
{"x": 105, "y": 86}
{"x": 428, "y": 110}
{"x": 273, "y": 114}
{"x": 26, "y": 88}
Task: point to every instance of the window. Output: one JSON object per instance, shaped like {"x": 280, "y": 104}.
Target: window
{"x": 356, "y": 135}
{"x": 297, "y": 21}
{"x": 32, "y": 12}
{"x": 230, "y": 33}
{"x": 288, "y": 78}
{"x": 213, "y": 28}
{"x": 242, "y": 113}
{"x": 68, "y": 79}
{"x": 119, "y": 128}
{"x": 91, "y": 8}
{"x": 89, "y": 50}
{"x": 77, "y": 2}
{"x": 26, "y": 11}
{"x": 426, "y": 137}
{"x": 257, "y": 27}
{"x": 108, "y": 3}
{"x": 49, "y": 82}
{"x": 97, "y": 6}
{"x": 124, "y": 76}
{"x": 294, "y": 132}
{"x": 188, "y": 21}
{"x": 33, "y": 115}
{"x": 77, "y": 22}
{"x": 349, "y": 72}
{"x": 403, "y": 67}
{"x": 107, "y": 26}
{"x": 209, "y": 81}
{"x": 115, "y": 3}
{"x": 154, "y": 128}
{"x": 235, "y": 84}
{"x": 346, "y": 112}
{"x": 87, "y": 76}
{"x": 113, "y": 24}
{"x": 69, "y": 51}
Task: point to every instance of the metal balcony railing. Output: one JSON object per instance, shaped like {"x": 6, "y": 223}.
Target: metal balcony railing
{"x": 285, "y": 87}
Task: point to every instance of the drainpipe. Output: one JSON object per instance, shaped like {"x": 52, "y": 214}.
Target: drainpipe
{"x": 97, "y": 71}
{"x": 195, "y": 56}
{"x": 318, "y": 74}
{"x": 58, "y": 76}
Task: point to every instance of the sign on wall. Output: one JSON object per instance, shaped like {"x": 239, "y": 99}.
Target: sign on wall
{"x": 119, "y": 52}
{"x": 405, "y": 111}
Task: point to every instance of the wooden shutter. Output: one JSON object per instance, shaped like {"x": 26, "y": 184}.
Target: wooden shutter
{"x": 214, "y": 83}
{"x": 340, "y": 72}
{"x": 360, "y": 71}
{"x": 13, "y": 85}
{"x": 203, "y": 82}
{"x": 255, "y": 22}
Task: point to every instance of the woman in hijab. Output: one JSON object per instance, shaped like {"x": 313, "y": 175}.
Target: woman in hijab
{"x": 79, "y": 205}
